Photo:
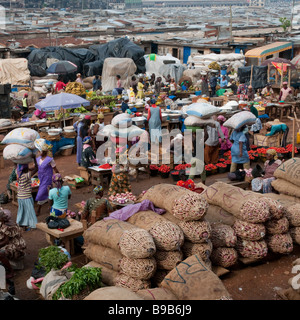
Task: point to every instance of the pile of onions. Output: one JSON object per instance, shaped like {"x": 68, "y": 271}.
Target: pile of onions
{"x": 123, "y": 198}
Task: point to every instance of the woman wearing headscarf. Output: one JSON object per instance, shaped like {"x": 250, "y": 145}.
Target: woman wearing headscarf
{"x": 96, "y": 208}
{"x": 263, "y": 184}
{"x": 154, "y": 122}
{"x": 26, "y": 216}
{"x": 140, "y": 89}
{"x": 59, "y": 197}
{"x": 38, "y": 115}
{"x": 46, "y": 168}
{"x": 97, "y": 127}
{"x": 225, "y": 143}
{"x": 88, "y": 155}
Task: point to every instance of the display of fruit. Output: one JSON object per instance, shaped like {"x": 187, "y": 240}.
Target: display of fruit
{"x": 75, "y": 88}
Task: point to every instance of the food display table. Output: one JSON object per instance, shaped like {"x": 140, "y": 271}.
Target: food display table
{"x": 99, "y": 176}
{"x": 67, "y": 236}
{"x": 14, "y": 190}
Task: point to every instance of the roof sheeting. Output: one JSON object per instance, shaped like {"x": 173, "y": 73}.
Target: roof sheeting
{"x": 268, "y": 49}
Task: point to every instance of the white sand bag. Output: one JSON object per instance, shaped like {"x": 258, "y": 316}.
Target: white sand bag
{"x": 22, "y": 136}
{"x": 18, "y": 154}
{"x": 239, "y": 119}
{"x": 202, "y": 110}
{"x": 122, "y": 120}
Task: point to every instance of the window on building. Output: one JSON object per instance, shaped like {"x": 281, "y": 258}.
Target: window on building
{"x": 175, "y": 52}
{"x": 200, "y": 51}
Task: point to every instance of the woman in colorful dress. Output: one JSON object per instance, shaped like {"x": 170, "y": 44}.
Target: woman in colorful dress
{"x": 263, "y": 184}
{"x": 26, "y": 216}
{"x": 225, "y": 143}
{"x": 88, "y": 155}
{"x": 46, "y": 168}
{"x": 119, "y": 182}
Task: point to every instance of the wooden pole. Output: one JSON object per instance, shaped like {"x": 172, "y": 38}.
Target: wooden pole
{"x": 251, "y": 75}
{"x": 281, "y": 81}
{"x": 293, "y": 151}
{"x": 289, "y": 76}
{"x": 268, "y": 73}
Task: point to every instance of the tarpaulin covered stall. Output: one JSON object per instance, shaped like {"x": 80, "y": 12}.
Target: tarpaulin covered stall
{"x": 14, "y": 71}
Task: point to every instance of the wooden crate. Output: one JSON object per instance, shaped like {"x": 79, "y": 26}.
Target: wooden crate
{"x": 267, "y": 141}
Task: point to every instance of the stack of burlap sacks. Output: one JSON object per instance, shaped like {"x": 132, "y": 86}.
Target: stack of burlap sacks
{"x": 260, "y": 223}
{"x": 148, "y": 253}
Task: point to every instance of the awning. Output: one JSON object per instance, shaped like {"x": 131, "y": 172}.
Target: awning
{"x": 268, "y": 49}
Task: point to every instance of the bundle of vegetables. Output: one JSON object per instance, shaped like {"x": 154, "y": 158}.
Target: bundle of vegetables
{"x": 80, "y": 110}
{"x": 75, "y": 88}
{"x": 123, "y": 197}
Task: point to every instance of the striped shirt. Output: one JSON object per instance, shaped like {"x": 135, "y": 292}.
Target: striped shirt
{"x": 24, "y": 188}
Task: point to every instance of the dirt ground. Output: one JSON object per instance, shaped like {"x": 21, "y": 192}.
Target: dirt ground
{"x": 252, "y": 282}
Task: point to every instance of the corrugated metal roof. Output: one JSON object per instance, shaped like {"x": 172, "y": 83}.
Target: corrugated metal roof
{"x": 268, "y": 49}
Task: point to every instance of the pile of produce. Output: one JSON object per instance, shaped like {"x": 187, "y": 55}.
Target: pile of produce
{"x": 75, "y": 88}
{"x": 122, "y": 198}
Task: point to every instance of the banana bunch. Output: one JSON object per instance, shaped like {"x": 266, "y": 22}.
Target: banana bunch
{"x": 75, "y": 88}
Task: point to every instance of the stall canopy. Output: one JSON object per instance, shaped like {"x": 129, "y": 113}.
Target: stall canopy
{"x": 61, "y": 100}
{"x": 268, "y": 50}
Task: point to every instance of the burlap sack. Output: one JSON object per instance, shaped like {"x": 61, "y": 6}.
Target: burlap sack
{"x": 108, "y": 275}
{"x": 156, "y": 294}
{"x": 290, "y": 171}
{"x": 222, "y": 235}
{"x": 244, "y": 205}
{"x": 131, "y": 241}
{"x": 158, "y": 277}
{"x": 168, "y": 260}
{"x": 249, "y": 231}
{"x": 280, "y": 243}
{"x": 277, "y": 209}
{"x": 52, "y": 281}
{"x": 113, "y": 293}
{"x": 275, "y": 226}
{"x": 224, "y": 257}
{"x": 107, "y": 257}
{"x": 166, "y": 235}
{"x": 142, "y": 269}
{"x": 124, "y": 281}
{"x": 252, "y": 249}
{"x": 286, "y": 187}
{"x": 284, "y": 199}
{"x": 293, "y": 215}
{"x": 192, "y": 280}
{"x": 295, "y": 234}
{"x": 288, "y": 294}
{"x": 218, "y": 214}
{"x": 182, "y": 203}
{"x": 203, "y": 250}
{"x": 196, "y": 231}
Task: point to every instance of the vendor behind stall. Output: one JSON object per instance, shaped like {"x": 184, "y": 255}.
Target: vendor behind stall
{"x": 38, "y": 115}
{"x": 88, "y": 155}
{"x": 100, "y": 205}
{"x": 278, "y": 127}
{"x": 263, "y": 184}
{"x": 285, "y": 92}
{"x": 267, "y": 92}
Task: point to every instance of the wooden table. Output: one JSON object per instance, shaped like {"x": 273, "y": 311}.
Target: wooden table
{"x": 67, "y": 236}
{"x": 98, "y": 177}
{"x": 14, "y": 190}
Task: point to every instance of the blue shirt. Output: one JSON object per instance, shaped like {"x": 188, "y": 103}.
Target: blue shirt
{"x": 60, "y": 201}
{"x": 277, "y": 128}
{"x": 223, "y": 83}
{"x": 237, "y": 137}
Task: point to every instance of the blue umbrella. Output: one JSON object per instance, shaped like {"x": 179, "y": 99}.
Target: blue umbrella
{"x": 61, "y": 100}
{"x": 62, "y": 67}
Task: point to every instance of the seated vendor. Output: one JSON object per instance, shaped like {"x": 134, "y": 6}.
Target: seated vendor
{"x": 267, "y": 92}
{"x": 88, "y": 158}
{"x": 100, "y": 205}
{"x": 124, "y": 105}
{"x": 38, "y": 115}
{"x": 263, "y": 184}
{"x": 59, "y": 197}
